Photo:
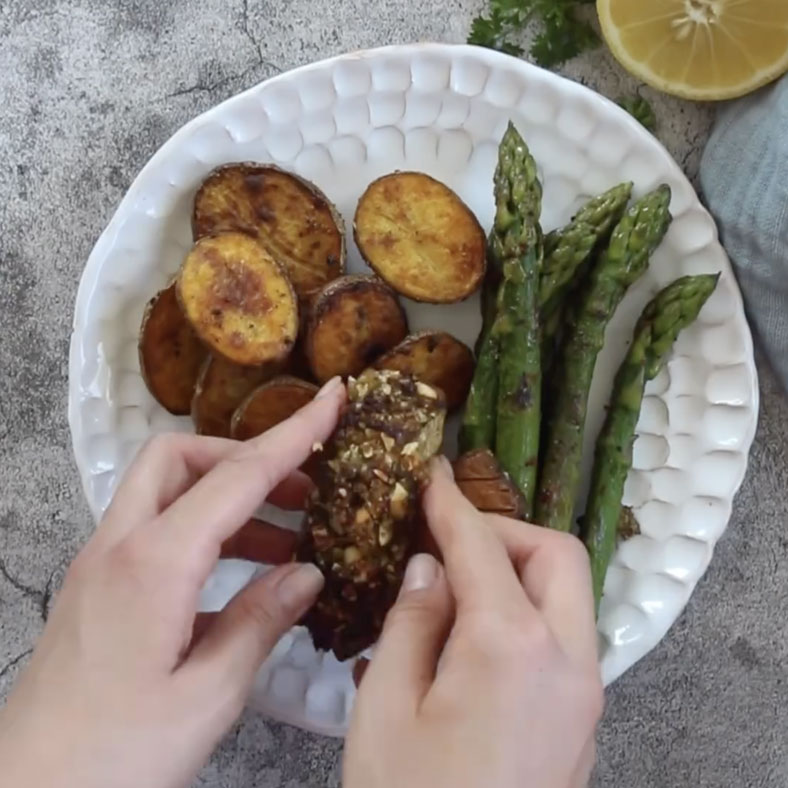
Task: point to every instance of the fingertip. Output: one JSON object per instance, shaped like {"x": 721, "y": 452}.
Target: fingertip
{"x": 311, "y": 424}
{"x": 442, "y": 496}
{"x": 323, "y": 411}
{"x": 297, "y": 590}
{"x": 248, "y": 628}
{"x": 413, "y": 637}
{"x": 332, "y": 388}
{"x": 440, "y": 468}
{"x": 421, "y": 573}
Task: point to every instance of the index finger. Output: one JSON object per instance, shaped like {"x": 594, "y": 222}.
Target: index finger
{"x": 478, "y": 567}
{"x": 228, "y": 495}
{"x": 165, "y": 468}
{"x": 556, "y": 576}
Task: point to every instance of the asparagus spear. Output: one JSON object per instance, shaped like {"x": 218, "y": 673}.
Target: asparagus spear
{"x": 489, "y": 294}
{"x": 517, "y": 243}
{"x": 568, "y": 248}
{"x": 517, "y": 197}
{"x": 633, "y": 240}
{"x": 519, "y": 374}
{"x": 672, "y": 310}
{"x": 478, "y": 422}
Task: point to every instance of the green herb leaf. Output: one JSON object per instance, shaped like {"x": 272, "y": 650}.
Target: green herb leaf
{"x": 491, "y": 33}
{"x": 640, "y": 109}
{"x": 562, "y": 36}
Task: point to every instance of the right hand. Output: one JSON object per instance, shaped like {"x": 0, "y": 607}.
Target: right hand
{"x": 486, "y": 672}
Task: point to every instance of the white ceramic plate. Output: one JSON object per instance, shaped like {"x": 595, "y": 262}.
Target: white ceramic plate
{"x": 441, "y": 109}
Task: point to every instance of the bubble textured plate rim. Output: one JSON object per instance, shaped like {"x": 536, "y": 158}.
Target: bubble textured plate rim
{"x": 441, "y": 109}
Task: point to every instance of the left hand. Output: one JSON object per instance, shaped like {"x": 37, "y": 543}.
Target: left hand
{"x": 123, "y": 688}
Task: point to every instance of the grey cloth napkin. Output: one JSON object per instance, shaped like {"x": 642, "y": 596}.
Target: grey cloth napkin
{"x": 744, "y": 177}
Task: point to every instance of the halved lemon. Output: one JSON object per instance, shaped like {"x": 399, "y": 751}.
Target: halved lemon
{"x": 699, "y": 49}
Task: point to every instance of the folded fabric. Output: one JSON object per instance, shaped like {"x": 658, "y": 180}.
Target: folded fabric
{"x": 744, "y": 177}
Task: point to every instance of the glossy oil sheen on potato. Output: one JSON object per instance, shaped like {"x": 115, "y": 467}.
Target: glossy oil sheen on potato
{"x": 238, "y": 299}
{"x": 420, "y": 237}
{"x": 291, "y": 217}
{"x": 270, "y": 404}
{"x": 437, "y": 358}
{"x": 170, "y": 353}
{"x": 221, "y": 388}
{"x": 354, "y": 320}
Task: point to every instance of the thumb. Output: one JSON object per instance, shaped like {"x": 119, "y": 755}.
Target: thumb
{"x": 248, "y": 628}
{"x": 405, "y": 659}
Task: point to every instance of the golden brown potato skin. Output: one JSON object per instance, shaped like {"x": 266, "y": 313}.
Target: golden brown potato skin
{"x": 221, "y": 388}
{"x": 486, "y": 486}
{"x": 354, "y": 319}
{"x": 270, "y": 404}
{"x": 238, "y": 299}
{"x": 420, "y": 237}
{"x": 437, "y": 358}
{"x": 291, "y": 217}
{"x": 170, "y": 352}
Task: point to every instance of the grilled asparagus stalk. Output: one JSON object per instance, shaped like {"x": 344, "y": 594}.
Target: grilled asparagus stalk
{"x": 489, "y": 294}
{"x": 516, "y": 241}
{"x": 567, "y": 250}
{"x": 518, "y": 200}
{"x": 626, "y": 258}
{"x": 672, "y": 310}
{"x": 478, "y": 421}
{"x": 361, "y": 521}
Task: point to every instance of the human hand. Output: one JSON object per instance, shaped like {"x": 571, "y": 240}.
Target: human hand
{"x": 124, "y": 689}
{"x": 486, "y": 672}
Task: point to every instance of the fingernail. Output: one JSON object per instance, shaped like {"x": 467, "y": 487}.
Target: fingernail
{"x": 421, "y": 572}
{"x": 299, "y": 587}
{"x": 329, "y": 387}
{"x": 445, "y": 466}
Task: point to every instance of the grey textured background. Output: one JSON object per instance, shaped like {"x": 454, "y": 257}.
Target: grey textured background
{"x": 88, "y": 91}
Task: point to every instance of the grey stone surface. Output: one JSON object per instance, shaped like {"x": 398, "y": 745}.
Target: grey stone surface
{"x": 89, "y": 89}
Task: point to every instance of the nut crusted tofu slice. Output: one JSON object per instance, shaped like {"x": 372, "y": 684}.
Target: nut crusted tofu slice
{"x": 361, "y": 522}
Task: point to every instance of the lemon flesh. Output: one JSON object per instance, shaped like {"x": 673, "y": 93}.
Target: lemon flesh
{"x": 699, "y": 49}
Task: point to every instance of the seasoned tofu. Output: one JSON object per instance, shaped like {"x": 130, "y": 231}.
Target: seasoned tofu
{"x": 361, "y": 522}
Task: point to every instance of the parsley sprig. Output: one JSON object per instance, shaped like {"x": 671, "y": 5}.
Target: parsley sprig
{"x": 562, "y": 34}
{"x": 640, "y": 109}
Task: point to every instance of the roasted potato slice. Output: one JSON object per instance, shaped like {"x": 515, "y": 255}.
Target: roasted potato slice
{"x": 292, "y": 218}
{"x": 262, "y": 542}
{"x": 297, "y": 364}
{"x": 434, "y": 357}
{"x": 486, "y": 486}
{"x": 238, "y": 299}
{"x": 171, "y": 354}
{"x": 420, "y": 237}
{"x": 270, "y": 404}
{"x": 354, "y": 319}
{"x": 221, "y": 388}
